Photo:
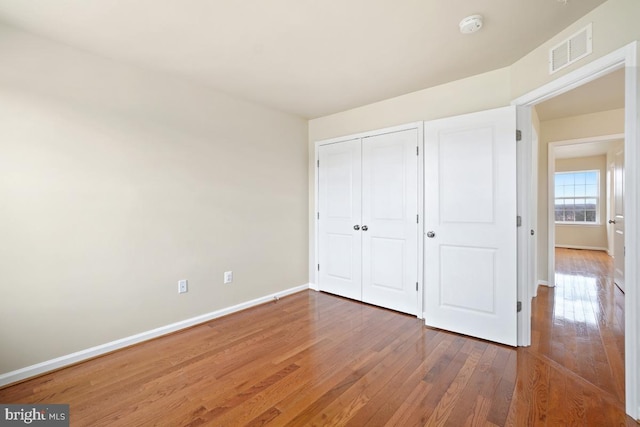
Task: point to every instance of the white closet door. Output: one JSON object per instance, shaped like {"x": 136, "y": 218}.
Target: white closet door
{"x": 340, "y": 244}
{"x": 470, "y": 225}
{"x": 389, "y": 220}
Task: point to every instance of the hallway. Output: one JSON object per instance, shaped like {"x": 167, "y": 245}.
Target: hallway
{"x": 573, "y": 373}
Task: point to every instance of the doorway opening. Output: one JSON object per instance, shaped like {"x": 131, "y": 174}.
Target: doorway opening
{"x": 624, "y": 58}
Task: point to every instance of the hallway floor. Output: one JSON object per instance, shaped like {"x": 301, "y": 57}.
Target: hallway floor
{"x": 574, "y": 369}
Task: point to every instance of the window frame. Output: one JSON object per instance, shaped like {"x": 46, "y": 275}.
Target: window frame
{"x": 597, "y": 198}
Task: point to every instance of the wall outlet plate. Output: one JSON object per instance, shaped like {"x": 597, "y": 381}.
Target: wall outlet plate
{"x": 228, "y": 277}
{"x": 182, "y": 286}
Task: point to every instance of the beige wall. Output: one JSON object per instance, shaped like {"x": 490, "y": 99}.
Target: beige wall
{"x": 481, "y": 92}
{"x": 585, "y": 236}
{"x": 577, "y": 127}
{"x": 614, "y": 26}
{"x": 117, "y": 182}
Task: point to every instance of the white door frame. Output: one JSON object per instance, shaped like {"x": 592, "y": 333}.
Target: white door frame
{"x": 414, "y": 125}
{"x": 523, "y": 177}
{"x": 624, "y": 57}
{"x": 610, "y": 203}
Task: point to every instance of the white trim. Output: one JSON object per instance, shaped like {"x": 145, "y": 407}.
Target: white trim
{"x": 587, "y": 248}
{"x": 89, "y": 353}
{"x": 523, "y": 196}
{"x": 544, "y": 283}
{"x": 632, "y": 232}
{"x": 591, "y": 71}
{"x": 366, "y": 134}
{"x": 580, "y": 224}
{"x": 421, "y": 221}
{"x": 314, "y": 287}
{"x": 604, "y": 138}
{"x": 624, "y": 57}
{"x": 551, "y": 216}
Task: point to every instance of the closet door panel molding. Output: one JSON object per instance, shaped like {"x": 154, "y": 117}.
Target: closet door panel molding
{"x": 368, "y": 203}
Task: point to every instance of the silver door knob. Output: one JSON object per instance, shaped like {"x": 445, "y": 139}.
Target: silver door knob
{"x": 365, "y": 228}
{"x": 431, "y": 234}
{"x": 356, "y": 227}
{"x": 612, "y": 221}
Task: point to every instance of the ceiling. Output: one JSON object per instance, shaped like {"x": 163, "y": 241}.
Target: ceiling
{"x": 603, "y": 94}
{"x": 306, "y": 57}
{"x": 585, "y": 149}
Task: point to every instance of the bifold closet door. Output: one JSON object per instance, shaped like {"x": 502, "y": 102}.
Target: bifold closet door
{"x": 389, "y": 220}
{"x": 340, "y": 212}
{"x": 367, "y": 219}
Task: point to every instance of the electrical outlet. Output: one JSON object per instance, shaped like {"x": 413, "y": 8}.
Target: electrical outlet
{"x": 182, "y": 286}
{"x": 228, "y": 277}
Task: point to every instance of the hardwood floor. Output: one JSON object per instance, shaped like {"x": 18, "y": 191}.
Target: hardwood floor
{"x": 573, "y": 373}
{"x": 316, "y": 359}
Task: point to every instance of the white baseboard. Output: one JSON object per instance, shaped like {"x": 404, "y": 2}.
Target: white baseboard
{"x": 79, "y": 356}
{"x": 588, "y": 248}
{"x": 314, "y": 287}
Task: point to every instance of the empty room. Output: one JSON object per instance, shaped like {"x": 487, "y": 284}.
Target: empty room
{"x": 309, "y": 213}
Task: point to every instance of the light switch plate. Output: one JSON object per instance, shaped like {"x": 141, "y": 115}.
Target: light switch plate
{"x": 228, "y": 277}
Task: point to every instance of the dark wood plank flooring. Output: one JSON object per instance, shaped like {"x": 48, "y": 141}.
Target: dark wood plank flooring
{"x": 316, "y": 359}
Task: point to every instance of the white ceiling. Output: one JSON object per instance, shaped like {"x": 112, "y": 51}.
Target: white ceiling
{"x": 586, "y": 149}
{"x": 603, "y": 94}
{"x": 306, "y": 57}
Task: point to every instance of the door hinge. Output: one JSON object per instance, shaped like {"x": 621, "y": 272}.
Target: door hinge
{"x": 416, "y": 286}
{"x": 417, "y": 219}
{"x": 518, "y": 221}
{"x": 318, "y": 267}
{"x": 417, "y": 150}
{"x": 518, "y": 135}
{"x": 519, "y": 306}
{"x": 318, "y": 215}
{"x": 318, "y": 163}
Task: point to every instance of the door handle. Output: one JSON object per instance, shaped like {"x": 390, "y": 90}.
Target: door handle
{"x": 612, "y": 221}
{"x": 431, "y": 234}
{"x": 365, "y": 228}
{"x": 356, "y": 227}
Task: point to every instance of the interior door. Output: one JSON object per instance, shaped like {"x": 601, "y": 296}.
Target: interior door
{"x": 618, "y": 225}
{"x": 470, "y": 225}
{"x": 389, "y": 220}
{"x": 533, "y": 215}
{"x": 340, "y": 242}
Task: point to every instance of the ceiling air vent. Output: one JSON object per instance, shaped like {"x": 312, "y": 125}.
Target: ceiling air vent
{"x": 571, "y": 50}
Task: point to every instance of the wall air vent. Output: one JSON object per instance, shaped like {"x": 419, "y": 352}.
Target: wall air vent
{"x": 571, "y": 50}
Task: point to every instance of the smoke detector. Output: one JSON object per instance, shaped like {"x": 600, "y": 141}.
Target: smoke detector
{"x": 471, "y": 24}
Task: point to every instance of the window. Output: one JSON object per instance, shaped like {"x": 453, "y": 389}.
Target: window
{"x": 577, "y": 197}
